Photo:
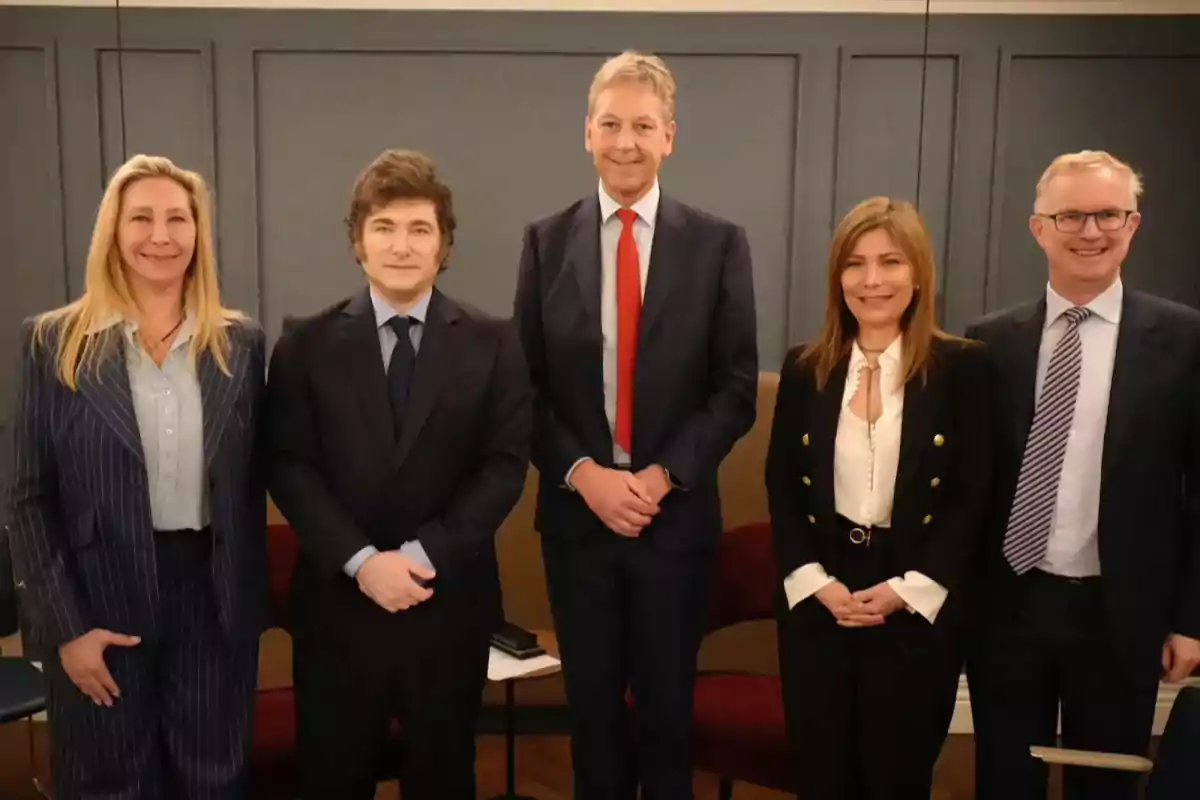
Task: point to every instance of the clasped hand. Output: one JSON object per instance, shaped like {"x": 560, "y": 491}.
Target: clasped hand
{"x": 862, "y": 609}
{"x": 388, "y": 579}
{"x": 624, "y": 501}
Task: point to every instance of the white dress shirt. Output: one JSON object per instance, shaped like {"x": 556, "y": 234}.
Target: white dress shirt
{"x": 864, "y": 481}
{"x": 1073, "y": 550}
{"x": 610, "y": 233}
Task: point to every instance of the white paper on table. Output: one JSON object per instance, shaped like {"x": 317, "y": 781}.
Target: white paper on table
{"x": 502, "y": 666}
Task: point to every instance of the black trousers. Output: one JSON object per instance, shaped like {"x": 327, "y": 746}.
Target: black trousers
{"x": 628, "y": 616}
{"x": 867, "y": 709}
{"x": 181, "y": 727}
{"x": 356, "y": 668}
{"x": 1053, "y": 651}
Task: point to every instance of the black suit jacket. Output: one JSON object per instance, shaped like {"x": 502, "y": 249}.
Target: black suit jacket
{"x": 79, "y": 506}
{"x": 696, "y": 373}
{"x": 343, "y": 481}
{"x": 1149, "y": 525}
{"x": 942, "y": 480}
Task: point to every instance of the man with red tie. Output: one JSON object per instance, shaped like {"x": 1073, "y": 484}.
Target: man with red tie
{"x": 638, "y": 321}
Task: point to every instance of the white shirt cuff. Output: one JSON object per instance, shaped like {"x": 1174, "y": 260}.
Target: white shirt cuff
{"x": 352, "y": 566}
{"x": 567, "y": 480}
{"x": 804, "y": 582}
{"x": 922, "y": 594}
{"x": 416, "y": 551}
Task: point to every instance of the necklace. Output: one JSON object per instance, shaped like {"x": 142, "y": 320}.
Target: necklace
{"x": 151, "y": 347}
{"x": 169, "y": 333}
{"x": 869, "y": 376}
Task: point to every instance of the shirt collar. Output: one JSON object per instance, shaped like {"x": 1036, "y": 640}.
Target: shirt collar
{"x": 384, "y": 311}
{"x": 130, "y": 327}
{"x": 1106, "y": 305}
{"x": 890, "y": 359}
{"x": 646, "y": 208}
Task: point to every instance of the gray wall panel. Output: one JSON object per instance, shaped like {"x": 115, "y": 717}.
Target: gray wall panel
{"x": 1144, "y": 110}
{"x": 31, "y": 228}
{"x": 507, "y": 131}
{"x": 785, "y": 121}
{"x": 167, "y": 101}
{"x": 882, "y": 140}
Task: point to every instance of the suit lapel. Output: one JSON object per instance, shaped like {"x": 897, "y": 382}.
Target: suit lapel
{"x": 1137, "y": 343}
{"x": 667, "y": 256}
{"x": 826, "y": 408}
{"x": 1022, "y": 369}
{"x": 582, "y": 258}
{"x": 358, "y": 355}
{"x": 107, "y": 388}
{"x": 436, "y": 360}
{"x": 218, "y": 394}
{"x": 917, "y": 421}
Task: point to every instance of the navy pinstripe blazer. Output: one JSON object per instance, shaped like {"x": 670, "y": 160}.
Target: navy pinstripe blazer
{"x": 79, "y": 505}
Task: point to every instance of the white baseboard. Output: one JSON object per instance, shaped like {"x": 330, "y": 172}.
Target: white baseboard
{"x": 962, "y": 723}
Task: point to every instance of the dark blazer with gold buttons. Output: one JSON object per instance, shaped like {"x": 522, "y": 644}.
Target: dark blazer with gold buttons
{"x": 942, "y": 479}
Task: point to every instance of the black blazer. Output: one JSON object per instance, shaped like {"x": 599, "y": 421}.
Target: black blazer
{"x": 697, "y": 363}
{"x": 1149, "y": 526}
{"x": 79, "y": 507}
{"x": 941, "y": 482}
{"x": 343, "y": 481}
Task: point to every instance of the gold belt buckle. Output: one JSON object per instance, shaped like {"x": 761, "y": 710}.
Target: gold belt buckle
{"x": 860, "y": 536}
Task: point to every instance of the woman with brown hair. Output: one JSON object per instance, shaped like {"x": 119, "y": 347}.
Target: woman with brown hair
{"x": 876, "y": 475}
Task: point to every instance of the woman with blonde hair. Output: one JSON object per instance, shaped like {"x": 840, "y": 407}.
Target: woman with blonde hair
{"x": 137, "y": 517}
{"x": 876, "y": 475}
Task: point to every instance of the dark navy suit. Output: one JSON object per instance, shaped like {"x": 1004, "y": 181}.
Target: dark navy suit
{"x": 86, "y": 556}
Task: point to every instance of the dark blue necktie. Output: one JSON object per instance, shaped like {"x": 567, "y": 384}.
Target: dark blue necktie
{"x": 400, "y": 369}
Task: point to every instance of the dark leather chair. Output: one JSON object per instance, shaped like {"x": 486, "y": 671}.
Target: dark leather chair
{"x": 22, "y": 685}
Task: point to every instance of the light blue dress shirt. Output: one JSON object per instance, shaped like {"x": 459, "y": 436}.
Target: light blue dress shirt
{"x": 170, "y": 417}
{"x": 387, "y": 343}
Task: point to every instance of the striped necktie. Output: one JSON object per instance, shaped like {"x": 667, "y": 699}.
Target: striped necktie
{"x": 1028, "y": 530}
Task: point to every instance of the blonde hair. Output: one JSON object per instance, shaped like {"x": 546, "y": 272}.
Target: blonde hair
{"x": 634, "y": 67}
{"x": 1085, "y": 160}
{"x": 919, "y": 324}
{"x": 106, "y": 289}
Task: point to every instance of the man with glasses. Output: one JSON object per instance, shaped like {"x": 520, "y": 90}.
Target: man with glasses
{"x": 1090, "y": 591}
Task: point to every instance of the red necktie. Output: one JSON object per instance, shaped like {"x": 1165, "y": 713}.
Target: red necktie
{"x": 629, "y": 313}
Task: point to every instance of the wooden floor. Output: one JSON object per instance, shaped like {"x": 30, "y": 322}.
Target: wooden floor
{"x": 543, "y": 769}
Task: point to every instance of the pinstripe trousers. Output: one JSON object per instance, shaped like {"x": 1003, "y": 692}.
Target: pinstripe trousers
{"x": 181, "y": 727}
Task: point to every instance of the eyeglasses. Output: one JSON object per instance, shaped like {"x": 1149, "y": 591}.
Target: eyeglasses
{"x": 1110, "y": 219}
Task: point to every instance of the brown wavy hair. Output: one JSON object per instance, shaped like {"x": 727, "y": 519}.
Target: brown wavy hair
{"x": 401, "y": 175}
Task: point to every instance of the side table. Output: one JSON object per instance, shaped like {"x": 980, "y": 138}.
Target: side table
{"x": 549, "y": 643}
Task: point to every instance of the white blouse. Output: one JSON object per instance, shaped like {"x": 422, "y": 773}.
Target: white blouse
{"x": 866, "y": 458}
